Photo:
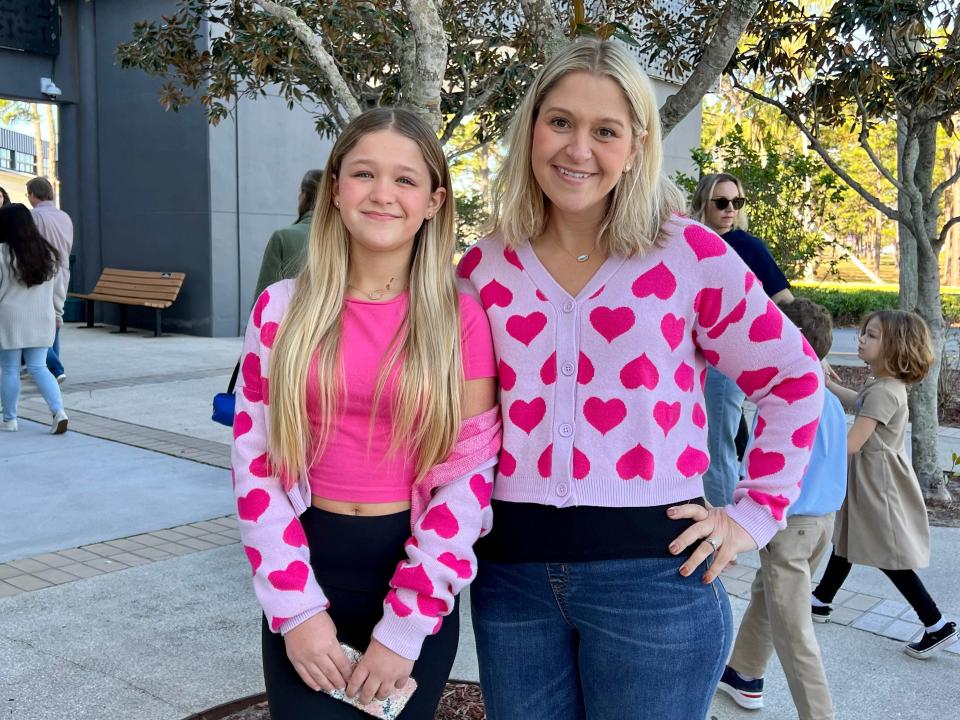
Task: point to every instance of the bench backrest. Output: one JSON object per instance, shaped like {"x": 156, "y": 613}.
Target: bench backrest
{"x": 140, "y": 284}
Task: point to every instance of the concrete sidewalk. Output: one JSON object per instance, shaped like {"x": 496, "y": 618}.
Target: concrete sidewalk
{"x": 124, "y": 592}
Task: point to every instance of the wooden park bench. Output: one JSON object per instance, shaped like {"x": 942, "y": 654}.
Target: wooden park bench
{"x": 156, "y": 290}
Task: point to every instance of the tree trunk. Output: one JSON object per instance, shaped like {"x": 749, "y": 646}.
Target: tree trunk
{"x": 37, "y": 140}
{"x": 53, "y": 148}
{"x": 951, "y": 208}
{"x": 906, "y": 243}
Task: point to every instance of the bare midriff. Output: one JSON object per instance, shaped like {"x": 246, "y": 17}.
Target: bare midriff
{"x": 341, "y": 507}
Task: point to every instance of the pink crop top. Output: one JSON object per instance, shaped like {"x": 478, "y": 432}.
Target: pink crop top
{"x": 355, "y": 466}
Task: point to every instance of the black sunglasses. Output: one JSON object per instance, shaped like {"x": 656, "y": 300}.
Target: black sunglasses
{"x": 722, "y": 203}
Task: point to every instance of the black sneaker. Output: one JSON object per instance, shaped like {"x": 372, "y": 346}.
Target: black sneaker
{"x": 821, "y": 613}
{"x": 748, "y": 694}
{"x": 928, "y": 644}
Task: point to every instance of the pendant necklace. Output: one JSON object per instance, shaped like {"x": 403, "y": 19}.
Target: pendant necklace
{"x": 378, "y": 293}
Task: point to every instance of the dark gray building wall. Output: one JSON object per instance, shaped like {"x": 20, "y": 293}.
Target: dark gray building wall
{"x": 22, "y": 71}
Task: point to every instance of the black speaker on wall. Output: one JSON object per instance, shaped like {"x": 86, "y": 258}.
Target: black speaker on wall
{"x": 30, "y": 26}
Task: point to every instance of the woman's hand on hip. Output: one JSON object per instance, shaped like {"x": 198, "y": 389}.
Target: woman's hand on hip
{"x": 379, "y": 673}
{"x": 714, "y": 533}
{"x": 316, "y": 655}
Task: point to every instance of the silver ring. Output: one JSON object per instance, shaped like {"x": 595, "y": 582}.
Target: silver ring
{"x": 714, "y": 543}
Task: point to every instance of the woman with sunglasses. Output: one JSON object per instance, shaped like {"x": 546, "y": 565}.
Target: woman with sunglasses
{"x": 718, "y": 203}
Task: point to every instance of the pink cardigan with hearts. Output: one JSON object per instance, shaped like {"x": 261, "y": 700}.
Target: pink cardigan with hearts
{"x": 602, "y": 394}
{"x": 450, "y": 509}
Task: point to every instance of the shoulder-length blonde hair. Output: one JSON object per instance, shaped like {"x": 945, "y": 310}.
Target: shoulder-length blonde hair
{"x": 643, "y": 199}
{"x": 906, "y": 349}
{"x": 425, "y": 407}
{"x": 704, "y": 191}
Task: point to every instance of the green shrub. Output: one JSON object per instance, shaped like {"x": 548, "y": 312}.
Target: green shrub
{"x": 849, "y": 305}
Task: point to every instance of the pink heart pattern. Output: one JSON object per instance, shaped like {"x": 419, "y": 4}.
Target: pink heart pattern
{"x": 462, "y": 568}
{"x": 707, "y": 304}
{"x": 441, "y": 520}
{"x": 699, "y": 416}
{"x": 526, "y": 328}
{"x": 469, "y": 262}
{"x": 585, "y": 370}
{"x": 260, "y": 466}
{"x": 512, "y": 258}
{"x": 658, "y": 281}
{"x": 527, "y": 415}
{"x": 493, "y": 293}
{"x": 412, "y": 577}
{"x": 636, "y": 462}
{"x": 748, "y": 280}
{"x": 598, "y": 293}
{"x": 259, "y": 307}
{"x": 761, "y": 426}
{"x": 672, "y": 328}
{"x": 431, "y": 606}
{"x": 604, "y": 415}
{"x": 268, "y": 334}
{"x": 506, "y": 375}
{"x": 704, "y": 243}
{"x": 804, "y": 436}
{"x": 250, "y": 369}
{"x": 277, "y": 623}
{"x": 508, "y": 463}
{"x": 294, "y": 535}
{"x": 292, "y": 579}
{"x": 548, "y": 371}
{"x": 581, "y": 465}
{"x": 692, "y": 462}
{"x": 253, "y": 557}
{"x": 776, "y": 503}
{"x": 640, "y": 372}
{"x": 397, "y": 605}
{"x": 242, "y": 423}
{"x": 252, "y": 505}
{"x": 711, "y": 356}
{"x": 798, "y": 388}
{"x": 545, "y": 462}
{"x": 768, "y": 326}
{"x": 481, "y": 489}
{"x": 683, "y": 377}
{"x": 734, "y": 316}
{"x": 750, "y": 381}
{"x": 666, "y": 415}
{"x": 611, "y": 323}
{"x": 760, "y": 463}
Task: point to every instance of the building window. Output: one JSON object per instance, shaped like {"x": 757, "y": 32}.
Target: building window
{"x": 26, "y": 163}
{"x": 6, "y": 159}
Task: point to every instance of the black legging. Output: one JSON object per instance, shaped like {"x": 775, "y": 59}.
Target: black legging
{"x": 906, "y": 581}
{"x": 353, "y": 559}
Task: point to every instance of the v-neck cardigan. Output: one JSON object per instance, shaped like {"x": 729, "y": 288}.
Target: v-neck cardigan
{"x": 602, "y": 393}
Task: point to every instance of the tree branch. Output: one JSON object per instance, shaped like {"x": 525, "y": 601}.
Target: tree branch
{"x": 731, "y": 24}
{"x": 822, "y": 152}
{"x": 544, "y": 25}
{"x": 941, "y": 188}
{"x": 865, "y": 144}
{"x": 314, "y": 45}
{"x": 464, "y": 151}
{"x": 423, "y": 92}
{"x": 946, "y": 229}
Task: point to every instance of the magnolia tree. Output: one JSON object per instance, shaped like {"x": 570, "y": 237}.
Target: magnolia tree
{"x": 448, "y": 61}
{"x": 857, "y": 65}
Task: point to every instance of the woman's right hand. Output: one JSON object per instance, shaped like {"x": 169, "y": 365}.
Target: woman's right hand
{"x": 316, "y": 655}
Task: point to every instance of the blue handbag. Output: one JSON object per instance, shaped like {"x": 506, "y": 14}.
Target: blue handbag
{"x": 224, "y": 403}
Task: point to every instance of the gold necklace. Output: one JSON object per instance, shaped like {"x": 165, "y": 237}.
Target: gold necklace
{"x": 379, "y": 292}
{"x": 582, "y": 257}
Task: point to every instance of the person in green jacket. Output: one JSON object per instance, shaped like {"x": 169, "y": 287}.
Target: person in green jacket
{"x": 285, "y": 252}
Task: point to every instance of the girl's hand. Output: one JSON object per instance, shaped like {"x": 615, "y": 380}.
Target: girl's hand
{"x": 828, "y": 372}
{"x": 316, "y": 655}
{"x": 729, "y": 536}
{"x": 379, "y": 673}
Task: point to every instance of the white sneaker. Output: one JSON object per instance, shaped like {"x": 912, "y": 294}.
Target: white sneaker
{"x": 61, "y": 377}
{"x": 8, "y": 425}
{"x": 59, "y": 424}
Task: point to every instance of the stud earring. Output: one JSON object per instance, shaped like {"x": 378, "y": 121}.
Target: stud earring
{"x": 627, "y": 169}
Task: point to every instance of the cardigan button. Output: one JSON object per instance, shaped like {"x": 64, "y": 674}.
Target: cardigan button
{"x": 566, "y": 430}
{"x": 568, "y": 306}
{"x": 568, "y": 368}
{"x": 562, "y": 490}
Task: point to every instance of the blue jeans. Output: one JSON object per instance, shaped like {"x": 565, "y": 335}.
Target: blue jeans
{"x": 724, "y": 401}
{"x": 53, "y": 356}
{"x": 608, "y": 640}
{"x": 10, "y": 380}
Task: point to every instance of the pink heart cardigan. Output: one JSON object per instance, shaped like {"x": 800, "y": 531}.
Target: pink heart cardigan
{"x": 602, "y": 394}
{"x": 450, "y": 509}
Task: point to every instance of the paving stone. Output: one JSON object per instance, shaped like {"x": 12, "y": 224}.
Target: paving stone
{"x": 145, "y": 539}
{"x": 952, "y": 648}
{"x": 55, "y": 576}
{"x": 7, "y": 590}
{"x": 233, "y": 533}
{"x": 81, "y": 570}
{"x": 152, "y": 553}
{"x": 51, "y": 559}
{"x": 130, "y": 559}
{"x": 208, "y": 526}
{"x": 7, "y": 571}
{"x": 737, "y": 587}
{"x": 28, "y": 565}
{"x": 188, "y": 531}
{"x": 177, "y": 548}
{"x": 77, "y": 555}
{"x": 861, "y": 602}
{"x": 892, "y": 608}
{"x": 105, "y": 564}
{"x": 101, "y": 549}
{"x": 842, "y": 596}
{"x": 844, "y": 615}
{"x": 168, "y": 535}
{"x": 229, "y": 521}
{"x": 871, "y": 622}
{"x": 28, "y": 582}
{"x": 218, "y": 539}
{"x": 900, "y": 630}
{"x": 909, "y": 615}
{"x": 125, "y": 545}
{"x": 197, "y": 544}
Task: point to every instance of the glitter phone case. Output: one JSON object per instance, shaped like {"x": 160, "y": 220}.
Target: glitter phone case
{"x": 388, "y": 709}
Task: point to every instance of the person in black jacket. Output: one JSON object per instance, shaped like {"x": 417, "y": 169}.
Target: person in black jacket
{"x": 718, "y": 202}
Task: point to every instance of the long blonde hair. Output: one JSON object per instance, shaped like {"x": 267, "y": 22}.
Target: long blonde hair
{"x": 425, "y": 408}
{"x": 642, "y": 201}
{"x": 704, "y": 191}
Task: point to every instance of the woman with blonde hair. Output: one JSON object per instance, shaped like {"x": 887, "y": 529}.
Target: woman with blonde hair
{"x": 719, "y": 202}
{"x": 365, "y": 434}
{"x": 593, "y": 596}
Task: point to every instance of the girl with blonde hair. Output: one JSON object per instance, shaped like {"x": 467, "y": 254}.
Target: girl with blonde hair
{"x": 593, "y": 598}
{"x": 365, "y": 434}
{"x": 883, "y": 520}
